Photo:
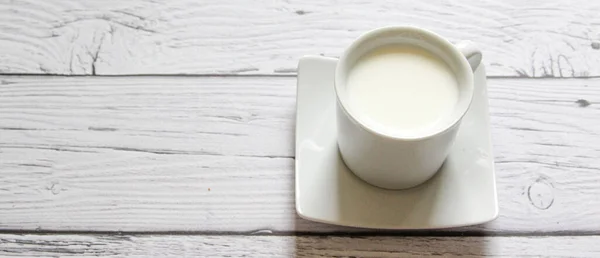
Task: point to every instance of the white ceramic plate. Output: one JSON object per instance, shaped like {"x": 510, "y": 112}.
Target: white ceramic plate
{"x": 462, "y": 193}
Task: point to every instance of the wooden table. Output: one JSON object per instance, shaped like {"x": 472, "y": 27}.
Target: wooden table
{"x": 166, "y": 128}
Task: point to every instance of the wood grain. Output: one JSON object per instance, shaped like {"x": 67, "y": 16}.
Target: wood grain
{"x": 294, "y": 246}
{"x": 526, "y": 39}
{"x": 216, "y": 154}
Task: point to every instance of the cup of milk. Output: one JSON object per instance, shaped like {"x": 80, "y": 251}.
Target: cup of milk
{"x": 401, "y": 94}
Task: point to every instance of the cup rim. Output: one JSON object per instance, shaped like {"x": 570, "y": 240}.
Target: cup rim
{"x": 441, "y": 40}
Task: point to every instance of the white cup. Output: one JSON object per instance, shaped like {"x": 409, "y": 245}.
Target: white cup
{"x": 395, "y": 162}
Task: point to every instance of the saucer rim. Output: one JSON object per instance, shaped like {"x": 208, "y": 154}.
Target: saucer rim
{"x": 303, "y": 215}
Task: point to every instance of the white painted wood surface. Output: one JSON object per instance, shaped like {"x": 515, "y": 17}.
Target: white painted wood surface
{"x": 519, "y": 38}
{"x": 216, "y": 154}
{"x": 213, "y": 154}
{"x": 295, "y": 246}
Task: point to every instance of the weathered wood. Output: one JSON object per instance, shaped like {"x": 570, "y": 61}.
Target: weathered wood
{"x": 519, "y": 38}
{"x": 295, "y": 246}
{"x": 216, "y": 154}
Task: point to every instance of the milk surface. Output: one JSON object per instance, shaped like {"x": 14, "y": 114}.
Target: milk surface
{"x": 401, "y": 89}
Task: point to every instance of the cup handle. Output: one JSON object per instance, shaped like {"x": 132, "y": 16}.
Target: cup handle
{"x": 471, "y": 52}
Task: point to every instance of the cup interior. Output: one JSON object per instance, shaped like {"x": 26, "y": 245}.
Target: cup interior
{"x": 416, "y": 37}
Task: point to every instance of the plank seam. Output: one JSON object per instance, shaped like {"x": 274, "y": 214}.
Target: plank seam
{"x": 469, "y": 233}
{"x": 216, "y": 75}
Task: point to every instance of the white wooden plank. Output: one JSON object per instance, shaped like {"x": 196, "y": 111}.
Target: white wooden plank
{"x": 216, "y": 154}
{"x": 295, "y": 246}
{"x": 532, "y": 38}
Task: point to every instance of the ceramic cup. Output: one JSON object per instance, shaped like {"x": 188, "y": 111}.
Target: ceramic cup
{"x": 392, "y": 161}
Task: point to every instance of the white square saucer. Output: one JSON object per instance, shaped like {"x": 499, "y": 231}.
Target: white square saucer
{"x": 462, "y": 193}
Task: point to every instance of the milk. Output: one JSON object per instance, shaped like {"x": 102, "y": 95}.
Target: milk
{"x": 401, "y": 89}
